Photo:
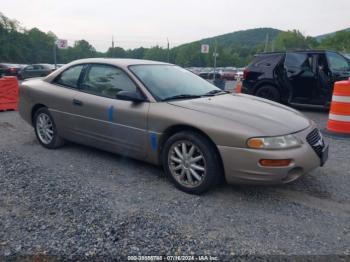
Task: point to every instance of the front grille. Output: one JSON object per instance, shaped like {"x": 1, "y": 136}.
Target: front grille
{"x": 315, "y": 139}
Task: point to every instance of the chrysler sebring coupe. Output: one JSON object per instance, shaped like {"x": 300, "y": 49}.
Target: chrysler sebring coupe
{"x": 166, "y": 115}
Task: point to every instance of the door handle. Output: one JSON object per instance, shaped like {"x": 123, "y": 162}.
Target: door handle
{"x": 77, "y": 102}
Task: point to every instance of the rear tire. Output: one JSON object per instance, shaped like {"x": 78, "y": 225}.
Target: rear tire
{"x": 269, "y": 92}
{"x": 194, "y": 168}
{"x": 45, "y": 129}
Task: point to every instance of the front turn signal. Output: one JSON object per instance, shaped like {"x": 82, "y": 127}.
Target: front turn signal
{"x": 255, "y": 143}
{"x": 275, "y": 162}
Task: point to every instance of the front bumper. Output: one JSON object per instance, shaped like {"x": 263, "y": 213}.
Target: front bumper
{"x": 241, "y": 165}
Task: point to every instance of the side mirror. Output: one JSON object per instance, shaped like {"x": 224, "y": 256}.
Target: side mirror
{"x": 130, "y": 96}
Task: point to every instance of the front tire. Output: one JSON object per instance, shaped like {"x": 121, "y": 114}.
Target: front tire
{"x": 45, "y": 129}
{"x": 269, "y": 92}
{"x": 191, "y": 161}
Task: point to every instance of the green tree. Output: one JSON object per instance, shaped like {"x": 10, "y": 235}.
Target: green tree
{"x": 116, "y": 52}
{"x": 39, "y": 46}
{"x": 339, "y": 42}
{"x": 293, "y": 40}
{"x": 156, "y": 53}
{"x": 137, "y": 53}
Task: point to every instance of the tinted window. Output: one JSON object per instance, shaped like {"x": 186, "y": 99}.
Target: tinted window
{"x": 107, "y": 81}
{"x": 265, "y": 61}
{"x": 217, "y": 76}
{"x": 70, "y": 77}
{"x": 298, "y": 60}
{"x": 337, "y": 62}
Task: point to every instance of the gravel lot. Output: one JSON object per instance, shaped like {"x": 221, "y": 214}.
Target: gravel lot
{"x": 79, "y": 202}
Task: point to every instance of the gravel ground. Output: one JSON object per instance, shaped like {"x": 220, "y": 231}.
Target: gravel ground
{"x": 79, "y": 202}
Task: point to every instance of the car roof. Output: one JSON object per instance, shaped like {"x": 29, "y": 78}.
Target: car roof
{"x": 297, "y": 51}
{"x": 44, "y": 65}
{"x": 9, "y": 64}
{"x": 124, "y": 62}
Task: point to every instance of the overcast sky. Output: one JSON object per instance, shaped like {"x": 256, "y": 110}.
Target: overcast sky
{"x": 146, "y": 23}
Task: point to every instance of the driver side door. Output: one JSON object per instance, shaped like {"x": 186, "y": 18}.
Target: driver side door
{"x": 106, "y": 122}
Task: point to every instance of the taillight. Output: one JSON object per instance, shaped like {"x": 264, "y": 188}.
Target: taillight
{"x": 12, "y": 70}
{"x": 245, "y": 74}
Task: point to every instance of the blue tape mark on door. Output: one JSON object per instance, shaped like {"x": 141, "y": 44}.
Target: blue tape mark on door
{"x": 154, "y": 141}
{"x": 110, "y": 113}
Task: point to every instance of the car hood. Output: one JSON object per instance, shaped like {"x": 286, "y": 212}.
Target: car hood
{"x": 267, "y": 117}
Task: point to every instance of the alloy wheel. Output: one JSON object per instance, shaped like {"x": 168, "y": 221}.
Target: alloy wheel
{"x": 44, "y": 127}
{"x": 187, "y": 163}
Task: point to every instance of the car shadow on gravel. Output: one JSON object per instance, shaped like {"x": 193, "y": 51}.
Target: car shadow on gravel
{"x": 307, "y": 184}
{"x": 111, "y": 171}
{"x": 310, "y": 185}
{"x": 114, "y": 160}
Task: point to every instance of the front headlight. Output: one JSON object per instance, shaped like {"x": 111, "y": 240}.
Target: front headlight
{"x": 277, "y": 142}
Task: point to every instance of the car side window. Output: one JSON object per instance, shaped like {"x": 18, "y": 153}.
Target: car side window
{"x": 29, "y": 68}
{"x": 70, "y": 77}
{"x": 298, "y": 60}
{"x": 106, "y": 81}
{"x": 299, "y": 64}
{"x": 337, "y": 62}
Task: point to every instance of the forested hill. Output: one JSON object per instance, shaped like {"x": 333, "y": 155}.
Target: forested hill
{"x": 324, "y": 36}
{"x": 236, "y": 48}
{"x": 244, "y": 38}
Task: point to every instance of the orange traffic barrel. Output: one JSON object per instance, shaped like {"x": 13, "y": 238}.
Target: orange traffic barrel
{"x": 238, "y": 88}
{"x": 339, "y": 115}
{"x": 8, "y": 93}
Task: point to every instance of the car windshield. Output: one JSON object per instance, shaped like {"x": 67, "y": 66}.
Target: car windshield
{"x": 170, "y": 81}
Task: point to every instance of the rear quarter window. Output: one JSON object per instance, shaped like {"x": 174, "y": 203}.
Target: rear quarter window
{"x": 70, "y": 77}
{"x": 266, "y": 61}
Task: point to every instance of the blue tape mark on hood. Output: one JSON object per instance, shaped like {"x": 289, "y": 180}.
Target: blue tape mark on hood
{"x": 110, "y": 113}
{"x": 154, "y": 141}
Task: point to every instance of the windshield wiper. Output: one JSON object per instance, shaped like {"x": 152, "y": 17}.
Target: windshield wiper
{"x": 182, "y": 96}
{"x": 215, "y": 92}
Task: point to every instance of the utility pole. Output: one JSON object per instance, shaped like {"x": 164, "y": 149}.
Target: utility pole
{"x": 54, "y": 54}
{"x": 112, "y": 53}
{"x": 266, "y": 43}
{"x": 167, "y": 39}
{"x": 215, "y": 56}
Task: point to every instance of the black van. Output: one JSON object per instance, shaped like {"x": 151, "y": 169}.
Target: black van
{"x": 296, "y": 77}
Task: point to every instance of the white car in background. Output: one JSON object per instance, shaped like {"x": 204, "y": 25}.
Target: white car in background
{"x": 238, "y": 75}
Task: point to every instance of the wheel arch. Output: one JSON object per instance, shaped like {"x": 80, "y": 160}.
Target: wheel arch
{"x": 183, "y": 127}
{"x": 34, "y": 109}
{"x": 265, "y": 83}
{"x": 284, "y": 92}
